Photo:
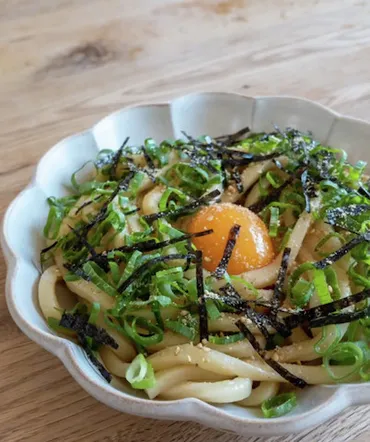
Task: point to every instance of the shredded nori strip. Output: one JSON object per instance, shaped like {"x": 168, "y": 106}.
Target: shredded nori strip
{"x": 233, "y": 299}
{"x": 309, "y": 190}
{"x": 76, "y": 270}
{"x": 283, "y": 372}
{"x": 102, "y": 370}
{"x": 115, "y": 160}
{"x": 273, "y": 196}
{"x": 202, "y": 308}
{"x": 340, "y": 213}
{"x": 248, "y": 158}
{"x": 87, "y": 203}
{"x": 80, "y": 324}
{"x": 133, "y": 168}
{"x": 152, "y": 244}
{"x": 148, "y": 158}
{"x": 338, "y": 254}
{"x": 235, "y": 175}
{"x": 233, "y": 137}
{"x": 84, "y": 242}
{"x": 340, "y": 318}
{"x": 47, "y": 249}
{"x": 137, "y": 273}
{"x": 320, "y": 311}
{"x": 278, "y": 295}
{"x": 131, "y": 212}
{"x": 102, "y": 214}
{"x": 181, "y": 211}
{"x": 230, "y": 245}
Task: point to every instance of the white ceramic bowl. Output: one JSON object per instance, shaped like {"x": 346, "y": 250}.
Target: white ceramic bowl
{"x": 208, "y": 113}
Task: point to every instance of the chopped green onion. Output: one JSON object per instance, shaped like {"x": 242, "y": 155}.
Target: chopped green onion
{"x": 273, "y": 179}
{"x": 182, "y": 329}
{"x": 155, "y": 335}
{"x": 347, "y": 352}
{"x": 212, "y": 310}
{"x": 327, "y": 343}
{"x": 99, "y": 278}
{"x": 332, "y": 280}
{"x": 224, "y": 340}
{"x": 246, "y": 284}
{"x": 324, "y": 240}
{"x": 274, "y": 221}
{"x": 321, "y": 286}
{"x": 94, "y": 313}
{"x": 365, "y": 372}
{"x": 279, "y": 405}
{"x": 140, "y": 373}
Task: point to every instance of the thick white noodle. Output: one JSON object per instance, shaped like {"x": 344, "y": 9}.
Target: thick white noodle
{"x": 265, "y": 391}
{"x": 150, "y": 203}
{"x": 267, "y": 275}
{"x": 48, "y": 300}
{"x": 248, "y": 177}
{"x": 255, "y": 370}
{"x": 240, "y": 349}
{"x": 113, "y": 363}
{"x": 169, "y": 339}
{"x": 171, "y": 377}
{"x": 221, "y": 392}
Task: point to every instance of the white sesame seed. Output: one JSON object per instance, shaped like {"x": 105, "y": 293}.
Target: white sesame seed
{"x": 177, "y": 350}
{"x": 189, "y": 358}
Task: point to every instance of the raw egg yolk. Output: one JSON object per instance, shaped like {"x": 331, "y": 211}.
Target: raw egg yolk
{"x": 253, "y": 248}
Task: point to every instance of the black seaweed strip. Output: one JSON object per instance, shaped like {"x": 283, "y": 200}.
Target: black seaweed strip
{"x": 133, "y": 168}
{"x": 144, "y": 267}
{"x": 338, "y": 254}
{"x": 340, "y": 318}
{"x": 250, "y": 158}
{"x": 76, "y": 270}
{"x": 84, "y": 242}
{"x": 189, "y": 249}
{"x": 80, "y": 324}
{"x": 131, "y": 212}
{"x": 148, "y": 158}
{"x": 230, "y": 245}
{"x": 115, "y": 160}
{"x": 151, "y": 245}
{"x": 233, "y": 299}
{"x": 87, "y": 203}
{"x": 102, "y": 370}
{"x": 273, "y": 196}
{"x": 47, "y": 249}
{"x": 334, "y": 215}
{"x": 308, "y": 189}
{"x": 101, "y": 215}
{"x": 363, "y": 191}
{"x": 278, "y": 295}
{"x": 235, "y": 175}
{"x": 290, "y": 377}
{"x": 202, "y": 308}
{"x": 325, "y": 309}
{"x": 234, "y": 136}
{"x": 181, "y": 211}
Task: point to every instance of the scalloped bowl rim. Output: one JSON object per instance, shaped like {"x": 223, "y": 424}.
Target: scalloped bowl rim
{"x": 190, "y": 409}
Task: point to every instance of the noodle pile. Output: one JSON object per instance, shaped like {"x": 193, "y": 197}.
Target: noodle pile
{"x": 147, "y": 311}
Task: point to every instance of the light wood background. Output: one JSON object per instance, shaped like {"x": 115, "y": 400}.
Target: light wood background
{"x": 66, "y": 63}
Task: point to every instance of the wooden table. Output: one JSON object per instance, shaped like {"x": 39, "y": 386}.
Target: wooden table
{"x": 64, "y": 64}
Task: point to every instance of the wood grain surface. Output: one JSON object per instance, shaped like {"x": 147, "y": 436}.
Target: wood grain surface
{"x": 64, "y": 64}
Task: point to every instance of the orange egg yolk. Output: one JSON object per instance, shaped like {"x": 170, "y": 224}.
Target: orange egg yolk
{"x": 253, "y": 248}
